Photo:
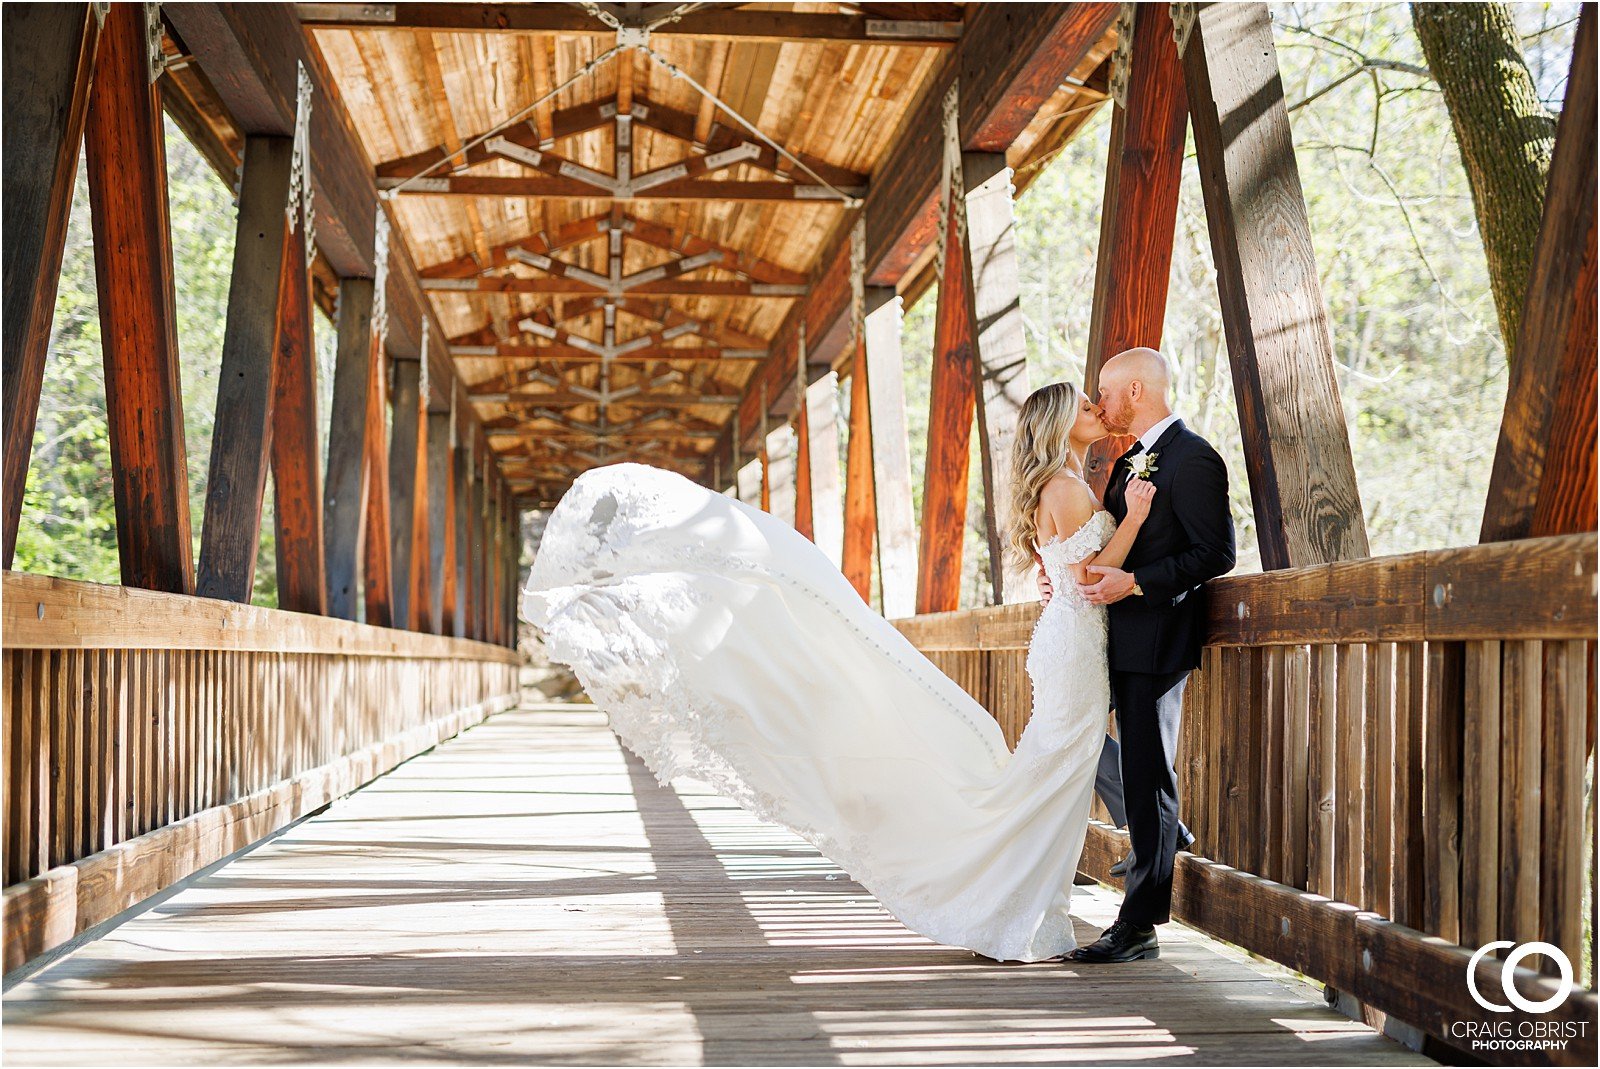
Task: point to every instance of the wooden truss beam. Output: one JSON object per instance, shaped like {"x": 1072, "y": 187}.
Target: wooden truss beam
{"x": 1543, "y": 479}
{"x": 346, "y": 486}
{"x": 1139, "y": 212}
{"x": 127, "y": 171}
{"x": 860, "y": 510}
{"x": 570, "y": 20}
{"x": 405, "y": 476}
{"x": 441, "y": 522}
{"x": 297, "y": 445}
{"x": 48, "y": 65}
{"x": 594, "y": 227}
{"x": 573, "y": 354}
{"x": 237, "y": 477}
{"x": 952, "y": 403}
{"x": 666, "y": 287}
{"x": 569, "y": 188}
{"x": 1297, "y": 449}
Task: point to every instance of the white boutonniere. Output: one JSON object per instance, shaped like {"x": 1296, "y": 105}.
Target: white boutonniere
{"x": 1143, "y": 465}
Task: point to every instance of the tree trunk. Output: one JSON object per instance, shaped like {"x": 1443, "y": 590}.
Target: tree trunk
{"x": 1505, "y": 132}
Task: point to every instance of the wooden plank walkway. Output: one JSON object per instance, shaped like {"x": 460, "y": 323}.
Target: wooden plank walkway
{"x": 526, "y": 893}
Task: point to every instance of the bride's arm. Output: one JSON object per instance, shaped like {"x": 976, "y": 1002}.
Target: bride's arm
{"x": 1140, "y": 493}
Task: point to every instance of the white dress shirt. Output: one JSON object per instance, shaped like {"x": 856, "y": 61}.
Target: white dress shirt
{"x": 1149, "y": 438}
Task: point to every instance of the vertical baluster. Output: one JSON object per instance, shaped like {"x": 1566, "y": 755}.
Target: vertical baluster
{"x": 1379, "y": 833}
{"x": 1442, "y": 768}
{"x": 1274, "y": 749}
{"x": 1321, "y": 780}
{"x": 1480, "y": 787}
{"x": 1521, "y": 684}
{"x": 1351, "y": 777}
{"x": 1566, "y": 711}
{"x": 1297, "y": 807}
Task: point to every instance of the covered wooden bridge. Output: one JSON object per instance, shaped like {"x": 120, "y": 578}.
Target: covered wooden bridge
{"x": 555, "y": 236}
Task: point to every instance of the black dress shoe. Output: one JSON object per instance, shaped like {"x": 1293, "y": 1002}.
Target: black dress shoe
{"x": 1122, "y": 941}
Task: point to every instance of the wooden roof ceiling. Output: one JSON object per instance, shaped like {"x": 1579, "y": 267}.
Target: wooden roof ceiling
{"x": 520, "y": 242}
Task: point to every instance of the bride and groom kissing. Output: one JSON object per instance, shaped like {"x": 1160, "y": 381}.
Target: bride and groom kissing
{"x": 1168, "y": 496}
{"x": 725, "y": 646}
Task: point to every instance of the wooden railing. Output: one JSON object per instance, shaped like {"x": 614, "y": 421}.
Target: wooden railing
{"x": 148, "y": 735}
{"x": 1408, "y": 736}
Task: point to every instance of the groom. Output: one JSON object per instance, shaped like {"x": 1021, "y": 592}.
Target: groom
{"x": 1156, "y": 619}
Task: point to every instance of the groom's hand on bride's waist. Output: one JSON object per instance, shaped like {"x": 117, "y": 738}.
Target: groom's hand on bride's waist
{"x": 1045, "y": 589}
{"x": 1112, "y": 585}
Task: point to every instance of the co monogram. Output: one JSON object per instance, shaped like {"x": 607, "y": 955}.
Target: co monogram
{"x": 1513, "y": 996}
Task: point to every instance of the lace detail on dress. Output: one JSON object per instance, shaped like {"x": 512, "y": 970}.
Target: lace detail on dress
{"x": 1067, "y": 653}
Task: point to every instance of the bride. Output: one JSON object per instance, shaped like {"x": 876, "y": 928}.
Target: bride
{"x": 724, "y": 646}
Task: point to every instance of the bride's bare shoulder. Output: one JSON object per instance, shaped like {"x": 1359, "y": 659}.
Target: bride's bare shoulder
{"x": 1069, "y": 501}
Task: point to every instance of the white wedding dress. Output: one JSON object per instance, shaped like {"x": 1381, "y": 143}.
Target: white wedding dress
{"x": 725, "y": 646}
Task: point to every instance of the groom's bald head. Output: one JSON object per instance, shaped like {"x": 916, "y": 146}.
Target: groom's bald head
{"x": 1133, "y": 389}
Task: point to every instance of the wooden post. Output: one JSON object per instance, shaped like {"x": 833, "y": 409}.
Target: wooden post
{"x": 822, "y": 461}
{"x": 403, "y": 476}
{"x": 891, "y": 453}
{"x": 1139, "y": 212}
{"x": 346, "y": 487}
{"x": 1002, "y": 355}
{"x": 48, "y": 64}
{"x": 376, "y": 566}
{"x": 127, "y": 171}
{"x": 297, "y": 444}
{"x": 237, "y": 478}
{"x": 421, "y": 596}
{"x": 952, "y": 403}
{"x": 462, "y": 507}
{"x": 763, "y": 453}
{"x": 1297, "y": 452}
{"x": 860, "y": 511}
{"x": 477, "y": 543}
{"x": 1543, "y": 479}
{"x": 803, "y": 520}
{"x": 441, "y": 524}
{"x": 491, "y": 562}
{"x": 514, "y": 570}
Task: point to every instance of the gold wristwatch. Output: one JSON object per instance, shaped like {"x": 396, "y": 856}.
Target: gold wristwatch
{"x": 1137, "y": 589}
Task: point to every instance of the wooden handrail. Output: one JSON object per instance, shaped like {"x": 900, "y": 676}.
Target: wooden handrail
{"x": 1541, "y": 588}
{"x": 43, "y": 612}
{"x": 148, "y": 735}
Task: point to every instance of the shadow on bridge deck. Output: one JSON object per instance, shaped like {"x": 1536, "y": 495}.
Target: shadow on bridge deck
{"x": 526, "y": 893}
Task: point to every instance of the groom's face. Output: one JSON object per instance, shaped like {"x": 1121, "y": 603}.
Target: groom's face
{"x": 1116, "y": 402}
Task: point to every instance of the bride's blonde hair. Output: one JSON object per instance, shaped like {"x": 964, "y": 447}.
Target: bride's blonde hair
{"x": 1041, "y": 450}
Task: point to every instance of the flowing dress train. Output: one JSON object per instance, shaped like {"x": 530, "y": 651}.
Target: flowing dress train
{"x": 724, "y": 646}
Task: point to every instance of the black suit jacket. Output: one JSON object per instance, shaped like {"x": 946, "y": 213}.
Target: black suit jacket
{"x": 1187, "y": 539}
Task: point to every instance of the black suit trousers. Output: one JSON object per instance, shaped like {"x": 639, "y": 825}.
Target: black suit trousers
{"x": 1149, "y": 713}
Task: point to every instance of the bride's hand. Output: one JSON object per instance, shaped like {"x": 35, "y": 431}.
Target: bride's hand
{"x": 1140, "y": 493}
